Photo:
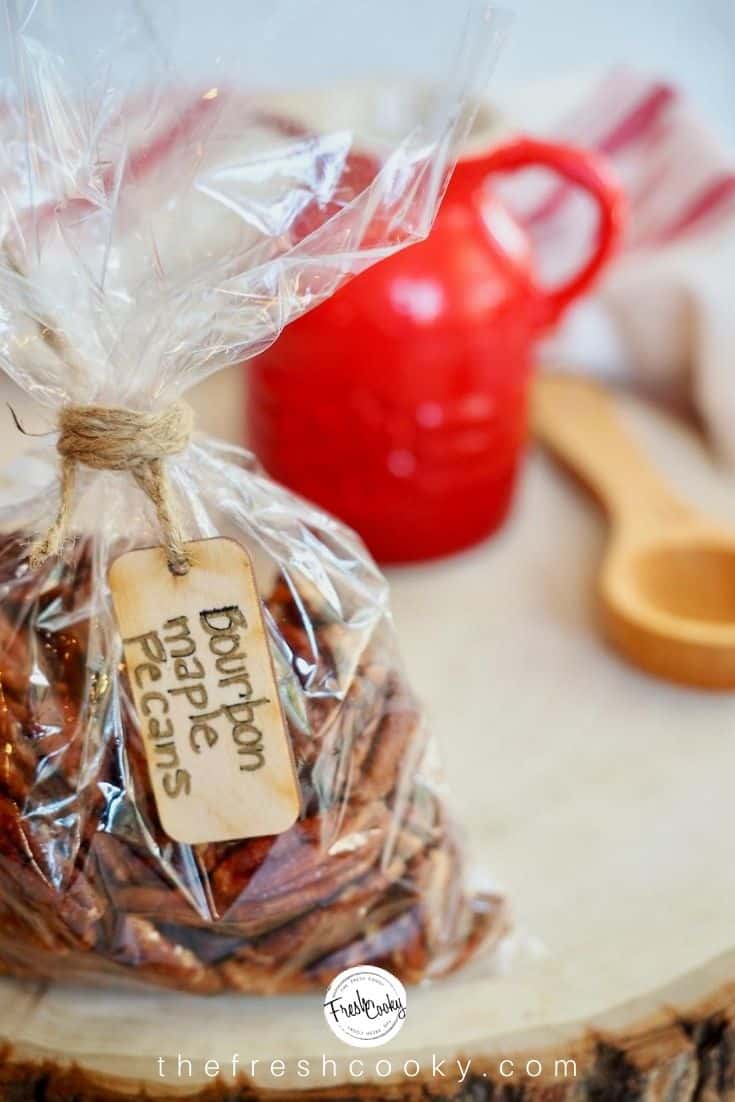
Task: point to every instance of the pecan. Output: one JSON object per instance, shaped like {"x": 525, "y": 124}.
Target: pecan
{"x": 281, "y": 958}
{"x": 17, "y": 760}
{"x": 303, "y": 871}
{"x": 139, "y": 945}
{"x": 394, "y": 752}
{"x": 391, "y": 946}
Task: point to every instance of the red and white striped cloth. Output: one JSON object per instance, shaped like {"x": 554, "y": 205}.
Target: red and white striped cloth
{"x": 663, "y": 315}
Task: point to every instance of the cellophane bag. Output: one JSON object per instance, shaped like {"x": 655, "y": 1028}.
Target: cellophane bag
{"x": 170, "y": 197}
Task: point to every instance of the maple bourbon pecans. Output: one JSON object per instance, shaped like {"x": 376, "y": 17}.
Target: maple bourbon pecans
{"x": 93, "y": 887}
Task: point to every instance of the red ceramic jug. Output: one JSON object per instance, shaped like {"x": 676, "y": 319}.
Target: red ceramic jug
{"x": 400, "y": 404}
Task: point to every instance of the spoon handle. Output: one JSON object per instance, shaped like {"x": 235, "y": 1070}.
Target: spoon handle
{"x": 578, "y": 421}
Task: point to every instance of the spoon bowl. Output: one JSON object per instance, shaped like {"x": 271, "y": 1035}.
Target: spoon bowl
{"x": 671, "y": 611}
{"x": 690, "y": 583}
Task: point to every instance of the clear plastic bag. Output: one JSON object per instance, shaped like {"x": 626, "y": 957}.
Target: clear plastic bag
{"x": 163, "y": 213}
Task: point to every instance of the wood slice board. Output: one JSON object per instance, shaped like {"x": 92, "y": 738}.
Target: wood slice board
{"x": 602, "y": 799}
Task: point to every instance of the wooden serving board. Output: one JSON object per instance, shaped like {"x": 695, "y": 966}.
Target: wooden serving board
{"x": 602, "y": 799}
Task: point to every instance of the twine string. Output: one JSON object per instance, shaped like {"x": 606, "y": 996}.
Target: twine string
{"x": 107, "y": 438}
{"x": 117, "y": 439}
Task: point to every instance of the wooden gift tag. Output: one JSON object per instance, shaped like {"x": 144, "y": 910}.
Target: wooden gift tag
{"x": 201, "y": 675}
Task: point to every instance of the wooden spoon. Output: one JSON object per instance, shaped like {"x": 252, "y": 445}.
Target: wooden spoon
{"x": 667, "y": 584}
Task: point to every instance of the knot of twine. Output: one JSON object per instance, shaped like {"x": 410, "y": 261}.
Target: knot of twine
{"x": 109, "y": 438}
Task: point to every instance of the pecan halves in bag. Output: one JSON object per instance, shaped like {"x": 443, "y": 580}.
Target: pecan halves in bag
{"x": 371, "y": 871}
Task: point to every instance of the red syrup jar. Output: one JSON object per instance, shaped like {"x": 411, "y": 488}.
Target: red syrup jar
{"x": 400, "y": 405}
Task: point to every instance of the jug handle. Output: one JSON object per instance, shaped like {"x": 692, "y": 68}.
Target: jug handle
{"x": 587, "y": 171}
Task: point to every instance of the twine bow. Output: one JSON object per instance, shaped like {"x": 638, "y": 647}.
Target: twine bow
{"x": 117, "y": 439}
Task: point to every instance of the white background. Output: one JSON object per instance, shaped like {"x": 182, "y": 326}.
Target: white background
{"x": 689, "y": 41}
